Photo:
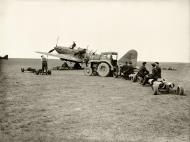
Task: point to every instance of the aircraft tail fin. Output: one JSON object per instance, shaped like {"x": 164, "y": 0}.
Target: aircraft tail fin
{"x": 131, "y": 55}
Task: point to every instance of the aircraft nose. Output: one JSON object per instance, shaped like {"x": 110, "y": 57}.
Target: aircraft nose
{"x": 57, "y": 48}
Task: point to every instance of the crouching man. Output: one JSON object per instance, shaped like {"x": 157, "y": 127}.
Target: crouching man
{"x": 127, "y": 69}
{"x": 142, "y": 72}
{"x": 154, "y": 75}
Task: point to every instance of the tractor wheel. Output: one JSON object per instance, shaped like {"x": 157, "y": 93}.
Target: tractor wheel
{"x": 180, "y": 90}
{"x": 155, "y": 89}
{"x": 103, "y": 69}
{"x": 88, "y": 71}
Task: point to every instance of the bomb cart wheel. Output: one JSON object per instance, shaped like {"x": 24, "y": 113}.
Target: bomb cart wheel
{"x": 88, "y": 71}
{"x": 180, "y": 90}
{"x": 103, "y": 69}
{"x": 37, "y": 72}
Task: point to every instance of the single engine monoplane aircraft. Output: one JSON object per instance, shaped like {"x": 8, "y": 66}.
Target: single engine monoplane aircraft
{"x": 70, "y": 54}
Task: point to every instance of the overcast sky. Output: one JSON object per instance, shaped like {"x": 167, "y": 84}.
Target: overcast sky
{"x": 158, "y": 29}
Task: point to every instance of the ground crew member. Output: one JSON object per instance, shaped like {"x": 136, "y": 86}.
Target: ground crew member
{"x": 143, "y": 71}
{"x": 73, "y": 45}
{"x": 124, "y": 67}
{"x": 153, "y": 76}
{"x": 44, "y": 64}
{"x": 159, "y": 69}
{"x": 128, "y": 69}
{"x": 86, "y": 61}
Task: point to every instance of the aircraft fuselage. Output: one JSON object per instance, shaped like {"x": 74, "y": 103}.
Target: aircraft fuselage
{"x": 67, "y": 50}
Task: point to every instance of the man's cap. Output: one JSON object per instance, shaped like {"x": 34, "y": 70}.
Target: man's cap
{"x": 153, "y": 64}
{"x": 144, "y": 63}
{"x": 157, "y": 63}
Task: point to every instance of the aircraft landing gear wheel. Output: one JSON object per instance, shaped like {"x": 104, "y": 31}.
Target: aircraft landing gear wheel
{"x": 103, "y": 69}
{"x": 88, "y": 71}
{"x": 180, "y": 90}
{"x": 155, "y": 89}
{"x": 77, "y": 66}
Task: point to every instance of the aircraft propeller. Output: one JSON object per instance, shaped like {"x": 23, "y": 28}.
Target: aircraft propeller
{"x": 56, "y": 45}
{"x": 51, "y": 50}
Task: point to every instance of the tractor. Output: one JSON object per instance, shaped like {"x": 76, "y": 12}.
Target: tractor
{"x": 103, "y": 65}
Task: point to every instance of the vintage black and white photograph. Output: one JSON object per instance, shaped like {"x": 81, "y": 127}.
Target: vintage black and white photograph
{"x": 94, "y": 71}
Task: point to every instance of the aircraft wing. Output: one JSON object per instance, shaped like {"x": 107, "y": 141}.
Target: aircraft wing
{"x": 131, "y": 55}
{"x": 65, "y": 57}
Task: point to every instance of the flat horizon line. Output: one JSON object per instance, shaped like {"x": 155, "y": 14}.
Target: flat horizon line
{"x": 137, "y": 61}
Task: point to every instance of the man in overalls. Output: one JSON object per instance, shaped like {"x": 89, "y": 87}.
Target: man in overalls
{"x": 44, "y": 64}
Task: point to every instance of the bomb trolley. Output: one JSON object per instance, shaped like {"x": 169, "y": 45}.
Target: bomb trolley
{"x": 35, "y": 71}
{"x": 163, "y": 86}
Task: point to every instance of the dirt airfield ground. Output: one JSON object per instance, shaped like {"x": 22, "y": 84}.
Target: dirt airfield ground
{"x": 70, "y": 107}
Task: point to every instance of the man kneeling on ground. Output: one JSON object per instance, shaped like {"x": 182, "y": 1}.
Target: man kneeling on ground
{"x": 154, "y": 75}
{"x": 128, "y": 69}
{"x": 143, "y": 71}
